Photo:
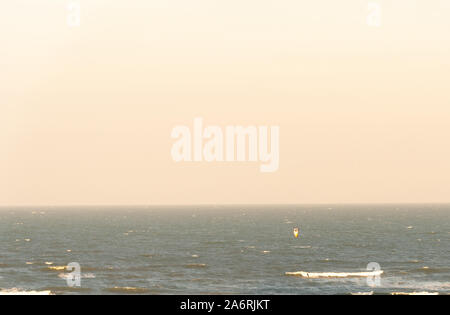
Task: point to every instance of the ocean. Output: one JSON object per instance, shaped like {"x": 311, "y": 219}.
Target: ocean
{"x": 225, "y": 249}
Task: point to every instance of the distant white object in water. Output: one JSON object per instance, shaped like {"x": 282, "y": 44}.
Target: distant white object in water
{"x": 296, "y": 232}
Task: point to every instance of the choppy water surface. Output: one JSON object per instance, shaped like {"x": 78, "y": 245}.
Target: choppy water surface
{"x": 225, "y": 250}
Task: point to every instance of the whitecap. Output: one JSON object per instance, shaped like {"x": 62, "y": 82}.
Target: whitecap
{"x": 316, "y": 275}
{"x": 83, "y": 276}
{"x": 57, "y": 268}
{"x": 415, "y": 293}
{"x": 16, "y": 291}
{"x": 128, "y": 290}
{"x": 362, "y": 293}
{"x": 88, "y": 276}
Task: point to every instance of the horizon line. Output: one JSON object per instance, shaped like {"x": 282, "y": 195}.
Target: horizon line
{"x": 221, "y": 204}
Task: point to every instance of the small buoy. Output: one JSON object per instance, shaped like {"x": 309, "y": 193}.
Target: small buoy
{"x": 296, "y": 232}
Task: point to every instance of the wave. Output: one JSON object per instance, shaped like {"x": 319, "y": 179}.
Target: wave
{"x": 419, "y": 286}
{"x": 92, "y": 269}
{"x": 195, "y": 265}
{"x": 83, "y": 276}
{"x": 415, "y": 293}
{"x": 317, "y": 275}
{"x": 132, "y": 290}
{"x": 64, "y": 268}
{"x": 362, "y": 293}
{"x": 16, "y": 291}
{"x": 57, "y": 268}
{"x": 62, "y": 290}
{"x": 6, "y": 266}
{"x": 427, "y": 269}
{"x": 148, "y": 255}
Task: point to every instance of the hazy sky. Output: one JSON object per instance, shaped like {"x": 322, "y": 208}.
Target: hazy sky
{"x": 86, "y": 113}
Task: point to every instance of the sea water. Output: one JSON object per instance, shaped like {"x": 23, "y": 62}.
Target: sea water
{"x": 225, "y": 249}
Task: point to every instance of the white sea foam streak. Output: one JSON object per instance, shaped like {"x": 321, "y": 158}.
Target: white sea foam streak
{"x": 21, "y": 292}
{"x": 316, "y": 275}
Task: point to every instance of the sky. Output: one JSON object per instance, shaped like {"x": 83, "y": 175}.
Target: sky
{"x": 86, "y": 113}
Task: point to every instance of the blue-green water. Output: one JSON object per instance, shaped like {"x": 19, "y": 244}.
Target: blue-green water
{"x": 225, "y": 250}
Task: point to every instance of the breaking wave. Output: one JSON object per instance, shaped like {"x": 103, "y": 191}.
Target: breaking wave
{"x": 196, "y": 265}
{"x": 83, "y": 276}
{"x": 16, "y": 291}
{"x": 317, "y": 275}
{"x": 56, "y": 268}
{"x": 415, "y": 293}
{"x": 128, "y": 290}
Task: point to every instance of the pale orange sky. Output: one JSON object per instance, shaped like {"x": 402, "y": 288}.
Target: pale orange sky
{"x": 86, "y": 113}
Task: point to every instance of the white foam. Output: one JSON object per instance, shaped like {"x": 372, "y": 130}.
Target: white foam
{"x": 316, "y": 275}
{"x": 415, "y": 293}
{"x": 83, "y": 276}
{"x": 57, "y": 268}
{"x": 362, "y": 293}
{"x": 65, "y": 276}
{"x": 16, "y": 291}
{"x": 196, "y": 265}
